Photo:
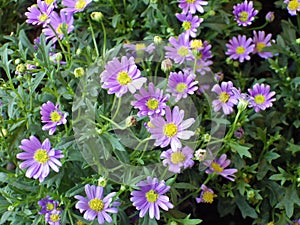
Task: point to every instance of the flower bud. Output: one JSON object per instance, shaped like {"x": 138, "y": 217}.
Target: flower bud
{"x": 157, "y": 40}
{"x": 166, "y": 65}
{"x": 78, "y": 72}
{"x": 200, "y": 155}
{"x": 242, "y": 105}
{"x": 97, "y": 16}
{"x": 21, "y": 68}
{"x": 270, "y": 16}
{"x": 130, "y": 121}
{"x": 102, "y": 182}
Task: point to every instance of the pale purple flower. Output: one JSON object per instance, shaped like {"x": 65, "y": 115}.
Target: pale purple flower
{"x": 151, "y": 102}
{"x": 96, "y": 205}
{"x": 172, "y": 129}
{"x": 176, "y": 160}
{"x": 190, "y": 23}
{"x": 52, "y": 116}
{"x": 295, "y": 222}
{"x": 293, "y": 6}
{"x": 244, "y": 13}
{"x": 206, "y": 196}
{"x": 53, "y": 217}
{"x": 51, "y": 2}
{"x": 181, "y": 84}
{"x": 260, "y": 41}
{"x": 47, "y": 205}
{"x": 218, "y": 166}
{"x": 192, "y": 6}
{"x": 226, "y": 97}
{"x": 150, "y": 197}
{"x": 73, "y": 6}
{"x": 121, "y": 76}
{"x": 203, "y": 67}
{"x": 261, "y": 97}
{"x": 39, "y": 158}
{"x": 139, "y": 48}
{"x": 39, "y": 14}
{"x": 239, "y": 48}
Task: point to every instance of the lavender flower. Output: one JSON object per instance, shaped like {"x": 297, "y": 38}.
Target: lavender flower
{"x": 170, "y": 131}
{"x": 39, "y": 14}
{"x": 192, "y": 6}
{"x": 151, "y": 102}
{"x": 52, "y": 116}
{"x": 74, "y": 6}
{"x": 181, "y": 158}
{"x": 139, "y": 48}
{"x": 190, "y": 23}
{"x": 218, "y": 166}
{"x": 203, "y": 49}
{"x": 203, "y": 67}
{"x": 39, "y": 158}
{"x": 151, "y": 197}
{"x": 240, "y": 48}
{"x": 51, "y": 2}
{"x": 260, "y": 41}
{"x": 293, "y": 6}
{"x": 261, "y": 97}
{"x": 244, "y": 13}
{"x": 53, "y": 217}
{"x": 121, "y": 76}
{"x": 207, "y": 195}
{"x": 95, "y": 205}
{"x": 181, "y": 84}
{"x": 47, "y": 205}
{"x": 295, "y": 222}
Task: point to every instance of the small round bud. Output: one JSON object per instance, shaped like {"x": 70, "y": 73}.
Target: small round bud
{"x": 80, "y": 222}
{"x": 229, "y": 61}
{"x": 270, "y": 16}
{"x": 79, "y": 72}
{"x": 78, "y": 51}
{"x": 157, "y": 40}
{"x": 17, "y": 61}
{"x": 102, "y": 182}
{"x": 242, "y": 105}
{"x": 298, "y": 41}
{"x": 10, "y": 208}
{"x": 236, "y": 64}
{"x": 58, "y": 57}
{"x": 122, "y": 188}
{"x": 200, "y": 154}
{"x": 130, "y": 121}
{"x": 21, "y": 68}
{"x": 206, "y": 137}
{"x": 211, "y": 13}
{"x": 166, "y": 65}
{"x": 97, "y": 16}
{"x": 219, "y": 76}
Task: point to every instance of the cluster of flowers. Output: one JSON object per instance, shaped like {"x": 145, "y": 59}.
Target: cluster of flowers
{"x": 50, "y": 210}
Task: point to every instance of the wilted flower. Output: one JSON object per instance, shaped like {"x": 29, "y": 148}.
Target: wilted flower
{"x": 244, "y": 13}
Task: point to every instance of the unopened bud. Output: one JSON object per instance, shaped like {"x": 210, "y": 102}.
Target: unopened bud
{"x": 157, "y": 40}
{"x": 78, "y": 72}
{"x": 97, "y": 16}
{"x": 242, "y": 105}
{"x": 166, "y": 65}
{"x": 21, "y": 68}
{"x": 102, "y": 182}
{"x": 270, "y": 16}
{"x": 130, "y": 121}
{"x": 200, "y": 155}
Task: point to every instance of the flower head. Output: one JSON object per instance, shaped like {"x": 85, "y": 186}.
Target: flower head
{"x": 121, "y": 76}
{"x": 39, "y": 14}
{"x": 96, "y": 205}
{"x": 73, "y": 6}
{"x": 260, "y": 41}
{"x": 192, "y": 6}
{"x": 293, "y": 6}
{"x": 172, "y": 129}
{"x": 240, "y": 48}
{"x": 261, "y": 97}
{"x": 52, "y": 116}
{"x": 150, "y": 197}
{"x": 190, "y": 23}
{"x": 207, "y": 195}
{"x": 39, "y": 158}
{"x": 244, "y": 13}
{"x": 139, "y": 49}
{"x": 53, "y": 217}
{"x": 47, "y": 205}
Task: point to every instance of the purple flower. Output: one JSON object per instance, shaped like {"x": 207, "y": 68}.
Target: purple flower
{"x": 218, "y": 166}
{"x": 244, "y": 13}
{"x": 51, "y": 2}
{"x": 151, "y": 197}
{"x": 170, "y": 131}
{"x": 295, "y": 222}
{"x": 181, "y": 84}
{"x": 203, "y": 66}
{"x": 52, "y": 116}
{"x": 39, "y": 158}
{"x": 47, "y": 205}
{"x": 181, "y": 158}
{"x": 240, "y": 48}
{"x": 190, "y": 23}
{"x": 74, "y": 6}
{"x": 207, "y": 195}
{"x": 260, "y": 41}
{"x": 180, "y": 50}
{"x": 151, "y": 102}
{"x": 39, "y": 14}
{"x": 139, "y": 48}
{"x": 293, "y": 6}
{"x": 59, "y": 23}
{"x": 204, "y": 52}
{"x": 261, "y": 97}
{"x": 192, "y": 6}
{"x": 95, "y": 205}
{"x": 53, "y": 217}
{"x": 226, "y": 97}
{"x": 121, "y": 76}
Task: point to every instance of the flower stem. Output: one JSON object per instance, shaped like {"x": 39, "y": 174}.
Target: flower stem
{"x": 93, "y": 36}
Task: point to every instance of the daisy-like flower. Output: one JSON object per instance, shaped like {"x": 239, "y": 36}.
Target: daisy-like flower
{"x": 53, "y": 217}
{"x": 139, "y": 48}
{"x": 172, "y": 129}
{"x": 39, "y": 14}
{"x": 226, "y": 97}
{"x": 47, "y": 205}
{"x": 52, "y": 116}
{"x": 203, "y": 49}
{"x": 151, "y": 102}
{"x": 261, "y": 97}
{"x": 293, "y": 6}
{"x": 39, "y": 158}
{"x": 192, "y": 6}
{"x": 218, "y": 166}
{"x": 203, "y": 66}
{"x": 121, "y": 76}
{"x": 151, "y": 197}
{"x": 73, "y": 6}
{"x": 260, "y": 41}
{"x": 240, "y": 48}
{"x": 51, "y": 2}
{"x": 175, "y": 160}
{"x": 95, "y": 205}
{"x": 190, "y": 23}
{"x": 180, "y": 50}
{"x": 182, "y": 84}
{"x": 244, "y": 13}
{"x": 206, "y": 196}
{"x": 61, "y": 22}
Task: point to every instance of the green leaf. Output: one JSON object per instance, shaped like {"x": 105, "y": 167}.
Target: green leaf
{"x": 241, "y": 150}
{"x": 244, "y": 207}
{"x": 184, "y": 186}
{"x": 147, "y": 221}
{"x": 289, "y": 199}
{"x": 269, "y": 156}
{"x": 283, "y": 176}
{"x": 188, "y": 221}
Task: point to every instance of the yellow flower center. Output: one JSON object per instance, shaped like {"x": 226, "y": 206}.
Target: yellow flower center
{"x": 43, "y": 17}
{"x": 170, "y": 129}
{"x": 177, "y": 157}
{"x": 208, "y": 197}
{"x": 123, "y": 78}
{"x": 180, "y": 88}
{"x": 186, "y": 25}
{"x": 293, "y": 5}
{"x": 243, "y": 16}
{"x": 217, "y": 168}
{"x": 96, "y": 204}
{"x": 195, "y": 44}
{"x": 55, "y": 116}
{"x": 240, "y": 50}
{"x": 260, "y": 46}
{"x": 151, "y": 196}
{"x": 224, "y": 97}
{"x": 183, "y": 51}
{"x": 48, "y": 2}
{"x": 41, "y": 156}
{"x": 54, "y": 217}
{"x": 61, "y": 27}
{"x": 80, "y": 223}
{"x": 149, "y": 124}
{"x": 259, "y": 99}
{"x": 152, "y": 104}
{"x": 50, "y": 206}
{"x": 139, "y": 47}
{"x": 80, "y": 4}
{"x": 190, "y": 1}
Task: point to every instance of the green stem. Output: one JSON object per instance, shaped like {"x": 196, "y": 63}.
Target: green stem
{"x": 93, "y": 35}
{"x": 104, "y": 39}
{"x": 118, "y": 108}
{"x": 142, "y": 142}
{"x": 113, "y": 122}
